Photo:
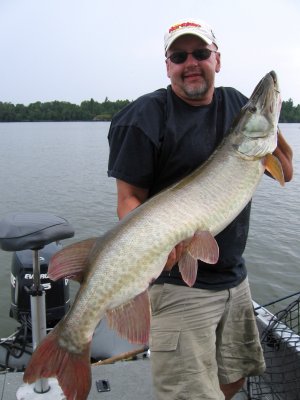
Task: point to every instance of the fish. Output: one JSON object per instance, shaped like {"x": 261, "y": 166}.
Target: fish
{"x": 116, "y": 269}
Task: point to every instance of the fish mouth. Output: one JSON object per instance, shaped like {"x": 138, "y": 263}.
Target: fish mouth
{"x": 275, "y": 80}
{"x": 266, "y": 95}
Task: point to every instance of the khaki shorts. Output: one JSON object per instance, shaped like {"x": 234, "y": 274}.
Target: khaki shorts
{"x": 201, "y": 338}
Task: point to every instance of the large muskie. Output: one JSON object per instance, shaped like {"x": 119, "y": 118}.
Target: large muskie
{"x": 115, "y": 270}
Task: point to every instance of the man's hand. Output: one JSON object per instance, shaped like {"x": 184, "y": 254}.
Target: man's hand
{"x": 175, "y": 256}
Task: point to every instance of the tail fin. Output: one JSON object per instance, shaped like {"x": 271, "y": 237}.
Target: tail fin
{"x": 72, "y": 370}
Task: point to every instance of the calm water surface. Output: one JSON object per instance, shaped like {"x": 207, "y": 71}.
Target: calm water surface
{"x": 61, "y": 168}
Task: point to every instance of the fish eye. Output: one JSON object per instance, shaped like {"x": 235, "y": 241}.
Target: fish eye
{"x": 252, "y": 109}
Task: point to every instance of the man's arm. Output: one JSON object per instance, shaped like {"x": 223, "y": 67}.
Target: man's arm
{"x": 129, "y": 197}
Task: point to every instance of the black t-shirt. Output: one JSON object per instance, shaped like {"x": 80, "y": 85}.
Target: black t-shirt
{"x": 157, "y": 140}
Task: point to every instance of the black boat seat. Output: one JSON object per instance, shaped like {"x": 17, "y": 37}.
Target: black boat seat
{"x": 22, "y": 231}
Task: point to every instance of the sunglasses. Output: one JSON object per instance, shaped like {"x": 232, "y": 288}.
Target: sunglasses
{"x": 179, "y": 57}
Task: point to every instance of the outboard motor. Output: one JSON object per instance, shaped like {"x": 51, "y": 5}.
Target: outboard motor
{"x": 33, "y": 238}
{"x": 57, "y": 293}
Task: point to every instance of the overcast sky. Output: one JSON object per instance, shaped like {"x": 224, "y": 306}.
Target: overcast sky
{"x": 75, "y": 50}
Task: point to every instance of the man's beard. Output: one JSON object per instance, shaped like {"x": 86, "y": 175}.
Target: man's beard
{"x": 196, "y": 92}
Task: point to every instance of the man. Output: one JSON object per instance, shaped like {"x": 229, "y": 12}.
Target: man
{"x": 204, "y": 339}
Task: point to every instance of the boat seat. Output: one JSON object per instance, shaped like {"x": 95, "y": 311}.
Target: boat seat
{"x": 23, "y": 231}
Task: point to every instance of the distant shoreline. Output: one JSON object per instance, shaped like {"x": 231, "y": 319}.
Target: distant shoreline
{"x": 91, "y": 110}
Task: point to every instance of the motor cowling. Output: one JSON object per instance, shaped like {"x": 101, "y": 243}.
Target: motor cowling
{"x": 57, "y": 293}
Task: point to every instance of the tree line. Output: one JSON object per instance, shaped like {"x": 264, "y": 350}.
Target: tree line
{"x": 91, "y": 110}
{"x": 289, "y": 112}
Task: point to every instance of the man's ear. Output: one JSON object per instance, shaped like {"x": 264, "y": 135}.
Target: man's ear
{"x": 168, "y": 67}
{"x": 218, "y": 62}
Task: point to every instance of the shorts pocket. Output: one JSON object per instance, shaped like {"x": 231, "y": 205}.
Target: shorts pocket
{"x": 164, "y": 340}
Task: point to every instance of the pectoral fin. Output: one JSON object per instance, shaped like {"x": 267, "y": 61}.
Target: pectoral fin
{"x": 132, "y": 320}
{"x": 273, "y": 166}
{"x": 202, "y": 247}
{"x": 188, "y": 267}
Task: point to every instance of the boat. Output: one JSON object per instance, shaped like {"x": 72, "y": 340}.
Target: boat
{"x": 33, "y": 238}
{"x": 279, "y": 334}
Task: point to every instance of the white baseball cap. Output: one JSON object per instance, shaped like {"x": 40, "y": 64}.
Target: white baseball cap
{"x": 189, "y": 27}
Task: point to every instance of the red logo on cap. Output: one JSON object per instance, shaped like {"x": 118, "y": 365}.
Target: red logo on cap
{"x": 184, "y": 25}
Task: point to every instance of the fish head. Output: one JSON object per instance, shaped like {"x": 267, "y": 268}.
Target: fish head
{"x": 254, "y": 132}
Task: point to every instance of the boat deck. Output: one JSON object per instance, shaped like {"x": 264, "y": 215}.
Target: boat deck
{"x": 127, "y": 382}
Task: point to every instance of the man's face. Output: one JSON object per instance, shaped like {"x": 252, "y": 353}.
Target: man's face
{"x": 193, "y": 80}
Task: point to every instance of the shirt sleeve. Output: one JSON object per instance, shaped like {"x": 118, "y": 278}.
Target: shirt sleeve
{"x": 132, "y": 156}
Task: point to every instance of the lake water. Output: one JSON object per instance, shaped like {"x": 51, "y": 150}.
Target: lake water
{"x": 61, "y": 168}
